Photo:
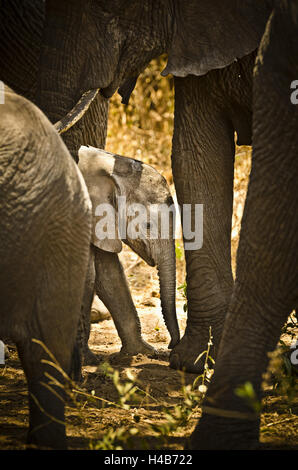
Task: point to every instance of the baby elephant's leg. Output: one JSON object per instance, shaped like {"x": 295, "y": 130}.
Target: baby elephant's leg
{"x": 111, "y": 287}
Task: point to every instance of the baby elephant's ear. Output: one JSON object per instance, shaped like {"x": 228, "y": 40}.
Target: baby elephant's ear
{"x": 103, "y": 190}
{"x": 105, "y": 231}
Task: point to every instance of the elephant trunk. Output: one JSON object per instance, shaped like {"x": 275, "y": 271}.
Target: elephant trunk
{"x": 167, "y": 280}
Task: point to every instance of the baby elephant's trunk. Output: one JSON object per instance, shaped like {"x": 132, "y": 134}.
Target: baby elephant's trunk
{"x": 167, "y": 280}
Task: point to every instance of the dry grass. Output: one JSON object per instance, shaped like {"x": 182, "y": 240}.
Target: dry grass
{"x": 143, "y": 129}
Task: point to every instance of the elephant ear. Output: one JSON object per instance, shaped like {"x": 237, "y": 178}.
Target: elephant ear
{"x": 97, "y": 168}
{"x": 212, "y": 34}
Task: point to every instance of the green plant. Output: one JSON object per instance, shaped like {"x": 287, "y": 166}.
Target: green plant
{"x": 128, "y": 390}
{"x": 207, "y": 371}
{"x": 179, "y": 416}
{"x": 121, "y": 436}
{"x": 115, "y": 439}
{"x": 246, "y": 392}
{"x": 179, "y": 251}
{"x": 183, "y": 288}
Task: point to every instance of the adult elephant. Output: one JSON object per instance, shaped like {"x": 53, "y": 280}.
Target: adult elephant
{"x": 211, "y": 52}
{"x": 265, "y": 290}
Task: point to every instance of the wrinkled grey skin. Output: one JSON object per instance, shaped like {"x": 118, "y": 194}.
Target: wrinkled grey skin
{"x": 45, "y": 227}
{"x": 211, "y": 47}
{"x": 108, "y": 177}
{"x": 21, "y": 30}
{"x": 265, "y": 290}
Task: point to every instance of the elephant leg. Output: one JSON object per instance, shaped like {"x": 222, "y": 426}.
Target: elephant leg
{"x": 264, "y": 295}
{"x": 46, "y": 401}
{"x": 265, "y": 289}
{"x": 111, "y": 287}
{"x": 203, "y": 164}
{"x": 54, "y": 322}
{"x": 84, "y": 324}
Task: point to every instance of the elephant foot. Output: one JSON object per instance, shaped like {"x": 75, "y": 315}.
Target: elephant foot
{"x": 99, "y": 314}
{"x": 90, "y": 359}
{"x": 190, "y": 354}
{"x": 231, "y": 434}
{"x": 139, "y": 347}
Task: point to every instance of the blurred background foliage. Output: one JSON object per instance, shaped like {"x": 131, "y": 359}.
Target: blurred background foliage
{"x": 143, "y": 129}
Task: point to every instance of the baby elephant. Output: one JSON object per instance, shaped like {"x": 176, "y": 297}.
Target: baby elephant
{"x": 45, "y": 228}
{"x": 137, "y": 208}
